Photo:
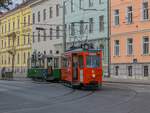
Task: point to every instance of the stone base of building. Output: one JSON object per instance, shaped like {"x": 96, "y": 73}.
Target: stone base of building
{"x": 105, "y": 71}
{"x": 130, "y": 71}
{"x": 18, "y": 72}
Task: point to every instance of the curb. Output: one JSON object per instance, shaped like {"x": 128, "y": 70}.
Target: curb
{"x": 16, "y": 79}
{"x": 119, "y": 82}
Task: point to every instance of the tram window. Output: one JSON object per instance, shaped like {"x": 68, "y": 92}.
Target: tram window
{"x": 93, "y": 61}
{"x": 49, "y": 62}
{"x": 65, "y": 62}
{"x": 56, "y": 62}
{"x": 81, "y": 65}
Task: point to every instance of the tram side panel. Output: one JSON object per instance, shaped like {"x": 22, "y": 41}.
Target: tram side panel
{"x": 66, "y": 70}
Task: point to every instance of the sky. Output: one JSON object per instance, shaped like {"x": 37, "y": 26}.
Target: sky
{"x": 12, "y": 6}
{"x": 17, "y": 1}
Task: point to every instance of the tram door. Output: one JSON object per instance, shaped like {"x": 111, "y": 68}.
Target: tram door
{"x": 75, "y": 66}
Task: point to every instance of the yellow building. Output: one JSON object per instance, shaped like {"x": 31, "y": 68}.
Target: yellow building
{"x": 17, "y": 21}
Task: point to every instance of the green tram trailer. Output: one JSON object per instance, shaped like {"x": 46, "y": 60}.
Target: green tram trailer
{"x": 43, "y": 68}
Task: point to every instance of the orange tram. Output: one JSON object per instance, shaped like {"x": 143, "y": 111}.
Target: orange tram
{"x": 82, "y": 68}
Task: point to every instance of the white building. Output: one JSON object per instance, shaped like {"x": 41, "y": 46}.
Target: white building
{"x": 48, "y": 27}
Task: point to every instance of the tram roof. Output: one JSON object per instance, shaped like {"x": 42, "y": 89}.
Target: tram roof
{"x": 83, "y": 50}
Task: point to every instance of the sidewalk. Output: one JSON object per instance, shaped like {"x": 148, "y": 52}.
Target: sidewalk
{"x": 18, "y": 77}
{"x": 21, "y": 79}
{"x": 126, "y": 81}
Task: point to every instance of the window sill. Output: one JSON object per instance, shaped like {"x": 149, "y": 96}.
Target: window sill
{"x": 145, "y": 20}
{"x": 131, "y": 55}
{"x": 129, "y": 23}
{"x": 116, "y": 56}
{"x": 145, "y": 54}
{"x": 115, "y": 26}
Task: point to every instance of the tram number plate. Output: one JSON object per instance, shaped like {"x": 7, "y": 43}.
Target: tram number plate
{"x": 92, "y": 53}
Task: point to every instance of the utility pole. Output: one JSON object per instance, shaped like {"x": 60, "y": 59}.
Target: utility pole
{"x": 64, "y": 26}
{"x": 109, "y": 33}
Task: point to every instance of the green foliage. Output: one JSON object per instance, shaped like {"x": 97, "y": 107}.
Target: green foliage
{"x": 4, "y": 4}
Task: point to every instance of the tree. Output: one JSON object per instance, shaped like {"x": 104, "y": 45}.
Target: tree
{"x": 4, "y": 4}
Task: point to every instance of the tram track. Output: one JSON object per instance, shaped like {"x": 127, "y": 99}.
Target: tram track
{"x": 72, "y": 96}
{"x": 57, "y": 100}
{"x": 135, "y": 94}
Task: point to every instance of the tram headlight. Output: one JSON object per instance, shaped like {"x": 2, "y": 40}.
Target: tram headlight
{"x": 93, "y": 75}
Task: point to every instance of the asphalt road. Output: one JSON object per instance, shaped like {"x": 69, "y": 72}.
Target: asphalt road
{"x": 33, "y": 97}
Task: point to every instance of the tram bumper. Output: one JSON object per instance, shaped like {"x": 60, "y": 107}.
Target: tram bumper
{"x": 93, "y": 85}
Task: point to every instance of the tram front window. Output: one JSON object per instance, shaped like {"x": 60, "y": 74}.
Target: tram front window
{"x": 93, "y": 61}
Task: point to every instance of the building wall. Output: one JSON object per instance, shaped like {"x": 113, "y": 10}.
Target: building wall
{"x": 52, "y": 43}
{"x": 123, "y": 31}
{"x": 16, "y": 18}
{"x": 75, "y": 13}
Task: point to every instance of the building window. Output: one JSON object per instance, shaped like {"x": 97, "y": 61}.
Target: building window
{"x": 24, "y": 40}
{"x": 13, "y": 25}
{"x": 81, "y": 27}
{"x": 56, "y": 62}
{"x": 2, "y": 60}
{"x": 24, "y": 61}
{"x": 38, "y": 36}
{"x": 18, "y": 42}
{"x": 103, "y": 49}
{"x": 9, "y": 42}
{"x": 51, "y": 33}
{"x": 116, "y": 17}
{"x": 145, "y": 45}
{"x": 51, "y": 52}
{"x": 57, "y": 32}
{"x": 100, "y": 1}
{"x": 44, "y": 32}
{"x": 146, "y": 71}
{"x": 129, "y": 70}
{"x": 18, "y": 23}
{"x": 44, "y": 14}
{"x": 65, "y": 9}
{"x": 24, "y": 21}
{"x": 2, "y": 29}
{"x": 39, "y": 16}
{"x": 129, "y": 15}
{"x": 28, "y": 38}
{"x": 117, "y": 48}
{"x": 72, "y": 29}
{"x": 18, "y": 58}
{"x": 145, "y": 12}
{"x": 33, "y": 37}
{"x": 28, "y": 55}
{"x": 50, "y": 12}
{"x": 5, "y": 44}
{"x": 101, "y": 23}
{"x": 2, "y": 43}
{"x": 91, "y": 3}
{"x": 116, "y": 70}
{"x": 57, "y": 10}
{"x": 33, "y": 17}
{"x": 130, "y": 46}
{"x": 28, "y": 20}
{"x": 5, "y": 28}
{"x": 9, "y": 60}
{"x": 72, "y": 5}
{"x": 91, "y": 25}
{"x": 9, "y": 27}
{"x": 80, "y": 4}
